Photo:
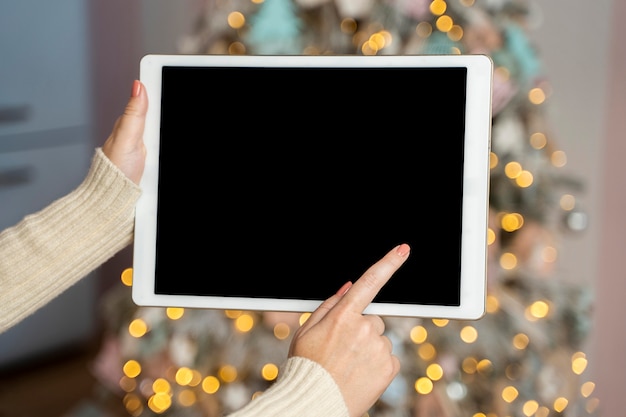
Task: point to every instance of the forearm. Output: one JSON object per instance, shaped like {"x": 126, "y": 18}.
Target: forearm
{"x": 49, "y": 251}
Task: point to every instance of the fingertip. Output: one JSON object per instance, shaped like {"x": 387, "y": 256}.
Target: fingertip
{"x": 403, "y": 250}
{"x": 138, "y": 103}
{"x": 136, "y": 89}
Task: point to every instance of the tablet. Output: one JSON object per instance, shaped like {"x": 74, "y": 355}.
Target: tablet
{"x": 270, "y": 181}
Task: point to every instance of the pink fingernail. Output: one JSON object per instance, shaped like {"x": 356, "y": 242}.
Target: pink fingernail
{"x": 344, "y": 288}
{"x": 136, "y": 89}
{"x": 403, "y": 250}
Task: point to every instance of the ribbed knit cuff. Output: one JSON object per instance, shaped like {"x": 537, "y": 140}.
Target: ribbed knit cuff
{"x": 303, "y": 389}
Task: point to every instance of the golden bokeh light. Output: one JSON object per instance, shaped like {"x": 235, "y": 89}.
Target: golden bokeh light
{"x": 186, "y": 398}
{"x": 427, "y": 351}
{"x": 567, "y": 202}
{"x": 492, "y": 304}
{"x": 133, "y": 405}
{"x": 508, "y": 261}
{"x": 536, "y": 96}
{"x": 542, "y": 412}
{"x": 379, "y": 40}
{"x": 530, "y": 407}
{"x": 441, "y": 322}
{"x": 484, "y": 366}
{"x": 210, "y": 384}
{"x": 137, "y": 328}
{"x": 539, "y": 309}
{"x": 303, "y": 318}
{"x": 558, "y": 159}
{"x": 227, "y": 373}
{"x": 183, "y": 376}
{"x": 161, "y": 385}
{"x": 233, "y": 314}
{"x": 423, "y": 385}
{"x": 513, "y": 371}
{"x": 434, "y": 371}
{"x": 469, "y": 334}
{"x": 560, "y": 404}
{"x": 127, "y": 277}
{"x": 524, "y": 179}
{"x": 521, "y": 341}
{"x": 369, "y": 47}
{"x": 469, "y": 365}
{"x": 418, "y": 334}
{"x": 538, "y": 140}
{"x": 513, "y": 169}
{"x": 348, "y": 25}
{"x": 511, "y": 222}
{"x": 131, "y": 368}
{"x": 455, "y": 34}
{"x": 502, "y": 72}
{"x": 244, "y": 323}
{"x": 174, "y": 313}
{"x": 359, "y": 37}
{"x": 236, "y": 20}
{"x": 236, "y": 48}
{"x": 269, "y": 372}
{"x": 282, "y": 331}
{"x": 159, "y": 402}
{"x": 579, "y": 365}
{"x": 493, "y": 160}
{"x": 424, "y": 30}
{"x": 444, "y": 23}
{"x": 196, "y": 378}
{"x": 587, "y": 389}
{"x": 491, "y": 236}
{"x": 438, "y": 7}
{"x": 509, "y": 394}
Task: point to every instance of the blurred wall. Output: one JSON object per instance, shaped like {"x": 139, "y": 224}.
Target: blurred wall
{"x": 609, "y": 335}
{"x": 581, "y": 46}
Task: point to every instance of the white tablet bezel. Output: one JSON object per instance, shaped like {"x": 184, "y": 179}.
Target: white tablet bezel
{"x": 476, "y": 184}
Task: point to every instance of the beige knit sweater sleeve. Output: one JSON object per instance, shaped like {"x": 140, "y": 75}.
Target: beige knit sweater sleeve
{"x": 49, "y": 251}
{"x": 303, "y": 389}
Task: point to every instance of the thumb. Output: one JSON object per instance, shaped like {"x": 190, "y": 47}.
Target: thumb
{"x": 125, "y": 146}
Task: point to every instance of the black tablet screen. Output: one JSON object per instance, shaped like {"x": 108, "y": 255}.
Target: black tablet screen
{"x": 288, "y": 182}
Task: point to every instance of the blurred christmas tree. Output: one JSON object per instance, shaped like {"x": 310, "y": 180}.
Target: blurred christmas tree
{"x": 523, "y": 358}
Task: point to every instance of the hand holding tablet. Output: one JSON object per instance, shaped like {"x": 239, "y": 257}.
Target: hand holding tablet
{"x": 290, "y": 157}
{"x": 350, "y": 345}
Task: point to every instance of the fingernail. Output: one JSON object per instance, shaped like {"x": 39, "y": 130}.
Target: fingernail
{"x": 136, "y": 89}
{"x": 344, "y": 288}
{"x": 403, "y": 250}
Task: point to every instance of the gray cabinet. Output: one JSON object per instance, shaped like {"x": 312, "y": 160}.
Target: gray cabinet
{"x": 45, "y": 147}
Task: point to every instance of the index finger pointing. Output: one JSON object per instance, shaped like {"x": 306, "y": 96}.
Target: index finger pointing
{"x": 369, "y": 284}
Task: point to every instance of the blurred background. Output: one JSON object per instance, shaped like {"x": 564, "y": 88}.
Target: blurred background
{"x": 552, "y": 343}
